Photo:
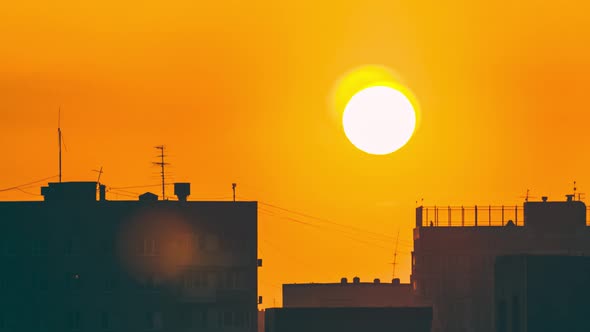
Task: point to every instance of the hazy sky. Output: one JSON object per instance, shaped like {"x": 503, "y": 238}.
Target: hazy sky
{"x": 239, "y": 91}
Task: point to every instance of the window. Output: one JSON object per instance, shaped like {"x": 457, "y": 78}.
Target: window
{"x": 72, "y": 247}
{"x": 239, "y": 319}
{"x": 39, "y": 322}
{"x": 39, "y": 281}
{"x": 39, "y": 247}
{"x": 154, "y": 320}
{"x": 227, "y": 318}
{"x": 111, "y": 283}
{"x": 202, "y": 317}
{"x": 501, "y": 323}
{"x": 186, "y": 318}
{"x": 7, "y": 247}
{"x": 150, "y": 247}
{"x": 515, "y": 314}
{"x": 201, "y": 240}
{"x": 196, "y": 279}
{"x": 108, "y": 247}
{"x": 213, "y": 242}
{"x": 74, "y": 321}
{"x": 105, "y": 320}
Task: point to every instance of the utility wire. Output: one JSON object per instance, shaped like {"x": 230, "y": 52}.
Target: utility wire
{"x": 27, "y": 184}
{"x": 382, "y": 237}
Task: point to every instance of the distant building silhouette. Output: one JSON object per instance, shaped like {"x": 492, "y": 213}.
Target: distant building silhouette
{"x": 453, "y": 258}
{"x": 348, "y": 294}
{"x": 542, "y": 293}
{"x": 343, "y": 319}
{"x": 75, "y": 263}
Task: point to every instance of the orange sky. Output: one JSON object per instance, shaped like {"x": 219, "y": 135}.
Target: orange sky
{"x": 239, "y": 92}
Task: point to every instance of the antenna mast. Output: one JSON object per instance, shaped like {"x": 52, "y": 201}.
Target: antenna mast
{"x": 161, "y": 163}
{"x": 59, "y": 139}
{"x": 395, "y": 254}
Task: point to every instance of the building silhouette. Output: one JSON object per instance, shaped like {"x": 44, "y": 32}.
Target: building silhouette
{"x": 348, "y": 294}
{"x": 348, "y": 306}
{"x": 75, "y": 263}
{"x": 542, "y": 293}
{"x": 455, "y": 249}
{"x": 346, "y": 319}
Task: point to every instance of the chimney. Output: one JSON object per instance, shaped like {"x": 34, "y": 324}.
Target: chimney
{"x": 377, "y": 281}
{"x": 343, "y": 281}
{"x": 356, "y": 280}
{"x": 570, "y": 198}
{"x": 544, "y": 198}
{"x": 102, "y": 193}
{"x": 395, "y": 281}
{"x": 182, "y": 190}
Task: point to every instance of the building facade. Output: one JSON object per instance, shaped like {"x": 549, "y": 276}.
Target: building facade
{"x": 75, "y": 263}
{"x": 455, "y": 250}
{"x": 348, "y": 294}
{"x": 542, "y": 293}
{"x": 342, "y": 319}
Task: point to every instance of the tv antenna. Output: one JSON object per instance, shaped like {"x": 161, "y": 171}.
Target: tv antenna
{"x": 527, "y": 196}
{"x": 395, "y": 254}
{"x": 99, "y": 174}
{"x": 579, "y": 194}
{"x": 233, "y": 188}
{"x": 161, "y": 163}
{"x": 59, "y": 139}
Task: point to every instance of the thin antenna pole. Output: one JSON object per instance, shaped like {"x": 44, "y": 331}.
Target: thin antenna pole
{"x": 233, "y": 187}
{"x": 395, "y": 254}
{"x": 575, "y": 190}
{"x": 59, "y": 139}
{"x": 161, "y": 163}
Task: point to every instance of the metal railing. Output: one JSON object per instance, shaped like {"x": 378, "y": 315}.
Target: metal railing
{"x": 478, "y": 215}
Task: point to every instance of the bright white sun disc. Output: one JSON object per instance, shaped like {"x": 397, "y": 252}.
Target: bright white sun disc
{"x": 379, "y": 120}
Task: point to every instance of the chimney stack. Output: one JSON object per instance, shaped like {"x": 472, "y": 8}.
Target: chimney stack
{"x": 102, "y": 193}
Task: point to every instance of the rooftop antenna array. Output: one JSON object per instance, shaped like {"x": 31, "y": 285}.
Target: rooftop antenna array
{"x": 162, "y": 163}
{"x": 99, "y": 174}
{"x": 527, "y": 196}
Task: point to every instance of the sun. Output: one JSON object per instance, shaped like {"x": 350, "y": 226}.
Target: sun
{"x": 379, "y": 120}
{"x": 378, "y": 113}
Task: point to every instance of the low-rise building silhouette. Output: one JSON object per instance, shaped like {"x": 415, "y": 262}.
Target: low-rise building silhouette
{"x": 343, "y": 319}
{"x": 455, "y": 249}
{"x": 75, "y": 263}
{"x": 348, "y": 294}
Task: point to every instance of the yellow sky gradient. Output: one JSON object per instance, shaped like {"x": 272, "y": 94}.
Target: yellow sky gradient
{"x": 240, "y": 92}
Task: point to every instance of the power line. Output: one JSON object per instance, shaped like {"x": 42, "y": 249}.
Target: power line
{"x": 346, "y": 235}
{"x": 28, "y": 192}
{"x": 381, "y": 237}
{"x": 27, "y": 184}
{"x": 141, "y": 186}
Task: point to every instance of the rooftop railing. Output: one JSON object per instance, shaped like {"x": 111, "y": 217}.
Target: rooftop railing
{"x": 478, "y": 215}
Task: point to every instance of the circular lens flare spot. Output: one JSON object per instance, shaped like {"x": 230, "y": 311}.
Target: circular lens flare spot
{"x": 379, "y": 120}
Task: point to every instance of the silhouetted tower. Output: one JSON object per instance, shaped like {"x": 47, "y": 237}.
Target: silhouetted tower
{"x": 161, "y": 163}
